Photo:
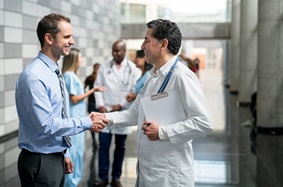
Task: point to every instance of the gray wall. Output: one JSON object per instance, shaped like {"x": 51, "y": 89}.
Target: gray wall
{"x": 95, "y": 27}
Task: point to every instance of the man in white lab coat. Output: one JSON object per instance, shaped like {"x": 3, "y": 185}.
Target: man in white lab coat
{"x": 119, "y": 76}
{"x": 165, "y": 155}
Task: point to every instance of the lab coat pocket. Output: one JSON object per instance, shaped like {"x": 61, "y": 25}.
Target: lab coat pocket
{"x": 156, "y": 160}
{"x": 162, "y": 161}
{"x": 164, "y": 155}
{"x": 146, "y": 151}
{"x": 163, "y": 158}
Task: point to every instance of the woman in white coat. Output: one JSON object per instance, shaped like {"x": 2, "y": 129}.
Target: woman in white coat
{"x": 165, "y": 155}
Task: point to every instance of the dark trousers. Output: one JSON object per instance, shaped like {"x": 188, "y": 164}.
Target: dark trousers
{"x": 103, "y": 155}
{"x": 41, "y": 170}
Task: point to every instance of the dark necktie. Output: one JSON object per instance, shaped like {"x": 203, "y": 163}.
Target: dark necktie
{"x": 64, "y": 110}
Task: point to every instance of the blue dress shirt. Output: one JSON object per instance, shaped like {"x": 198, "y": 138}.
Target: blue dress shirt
{"x": 39, "y": 107}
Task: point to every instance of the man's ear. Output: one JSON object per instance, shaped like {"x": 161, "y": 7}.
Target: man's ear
{"x": 164, "y": 43}
{"x": 48, "y": 38}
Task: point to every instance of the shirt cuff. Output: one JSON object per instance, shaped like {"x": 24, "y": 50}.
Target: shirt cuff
{"x": 87, "y": 123}
{"x": 110, "y": 123}
{"x": 162, "y": 133}
{"x": 67, "y": 154}
{"x": 122, "y": 105}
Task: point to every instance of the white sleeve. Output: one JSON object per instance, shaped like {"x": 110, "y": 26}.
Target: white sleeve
{"x": 99, "y": 82}
{"x": 162, "y": 133}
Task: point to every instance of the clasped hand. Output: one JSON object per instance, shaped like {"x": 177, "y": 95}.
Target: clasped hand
{"x": 98, "y": 121}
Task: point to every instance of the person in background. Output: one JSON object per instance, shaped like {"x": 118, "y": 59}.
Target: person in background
{"x": 165, "y": 152}
{"x": 144, "y": 67}
{"x": 43, "y": 109}
{"x": 88, "y": 83}
{"x": 119, "y": 76}
{"x": 183, "y": 57}
{"x": 91, "y": 106}
{"x": 71, "y": 64}
{"x": 196, "y": 63}
{"x": 191, "y": 65}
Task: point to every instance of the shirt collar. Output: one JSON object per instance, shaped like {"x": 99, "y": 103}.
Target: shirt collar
{"x": 52, "y": 65}
{"x": 164, "y": 69}
{"x": 123, "y": 63}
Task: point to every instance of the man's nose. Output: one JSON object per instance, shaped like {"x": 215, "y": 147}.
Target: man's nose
{"x": 72, "y": 41}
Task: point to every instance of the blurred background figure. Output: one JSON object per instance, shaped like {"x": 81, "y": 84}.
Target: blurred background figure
{"x": 119, "y": 76}
{"x": 183, "y": 58}
{"x": 71, "y": 64}
{"x": 191, "y": 65}
{"x": 196, "y": 62}
{"x": 89, "y": 81}
{"x": 144, "y": 67}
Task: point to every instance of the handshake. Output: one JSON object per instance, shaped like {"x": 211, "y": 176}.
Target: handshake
{"x": 98, "y": 121}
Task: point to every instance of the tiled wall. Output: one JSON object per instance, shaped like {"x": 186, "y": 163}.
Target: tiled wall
{"x": 95, "y": 27}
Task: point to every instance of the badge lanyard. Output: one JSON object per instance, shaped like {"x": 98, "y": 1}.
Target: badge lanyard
{"x": 167, "y": 78}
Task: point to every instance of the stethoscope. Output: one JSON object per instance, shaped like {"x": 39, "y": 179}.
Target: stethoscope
{"x": 125, "y": 80}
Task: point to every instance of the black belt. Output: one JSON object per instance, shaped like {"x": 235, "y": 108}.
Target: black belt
{"x": 35, "y": 153}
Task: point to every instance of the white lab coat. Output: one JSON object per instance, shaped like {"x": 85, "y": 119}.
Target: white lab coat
{"x": 169, "y": 163}
{"x": 118, "y": 84}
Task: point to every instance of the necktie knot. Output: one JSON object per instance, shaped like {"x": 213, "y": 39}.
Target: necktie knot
{"x": 58, "y": 72}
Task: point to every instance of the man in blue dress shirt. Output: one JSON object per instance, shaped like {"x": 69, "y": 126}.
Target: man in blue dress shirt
{"x": 44, "y": 160}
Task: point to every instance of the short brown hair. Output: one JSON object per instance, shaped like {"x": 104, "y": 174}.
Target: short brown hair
{"x": 49, "y": 24}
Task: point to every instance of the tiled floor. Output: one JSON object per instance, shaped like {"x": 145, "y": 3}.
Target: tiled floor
{"x": 219, "y": 158}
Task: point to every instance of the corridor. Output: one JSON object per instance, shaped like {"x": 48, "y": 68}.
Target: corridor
{"x": 239, "y": 40}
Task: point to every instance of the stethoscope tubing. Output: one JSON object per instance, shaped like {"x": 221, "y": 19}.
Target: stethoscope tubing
{"x": 126, "y": 80}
